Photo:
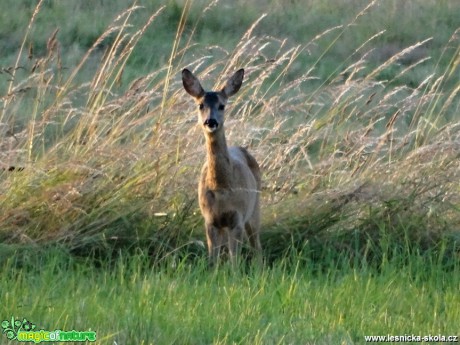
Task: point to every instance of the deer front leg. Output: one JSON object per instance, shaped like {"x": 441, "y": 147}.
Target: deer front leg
{"x": 252, "y": 230}
{"x": 215, "y": 241}
{"x": 235, "y": 238}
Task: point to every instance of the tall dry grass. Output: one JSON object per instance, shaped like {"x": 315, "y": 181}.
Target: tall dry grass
{"x": 347, "y": 165}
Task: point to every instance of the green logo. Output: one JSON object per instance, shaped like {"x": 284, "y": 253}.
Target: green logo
{"x": 11, "y": 328}
{"x": 26, "y": 331}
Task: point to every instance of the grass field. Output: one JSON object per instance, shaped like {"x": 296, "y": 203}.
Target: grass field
{"x": 351, "y": 108}
{"x": 133, "y": 303}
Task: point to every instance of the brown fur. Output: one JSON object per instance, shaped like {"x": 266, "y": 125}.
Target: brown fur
{"x": 230, "y": 179}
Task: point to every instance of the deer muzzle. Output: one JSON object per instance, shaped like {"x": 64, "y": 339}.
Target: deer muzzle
{"x": 211, "y": 124}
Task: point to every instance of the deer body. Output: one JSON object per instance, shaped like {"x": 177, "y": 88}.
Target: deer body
{"x": 230, "y": 180}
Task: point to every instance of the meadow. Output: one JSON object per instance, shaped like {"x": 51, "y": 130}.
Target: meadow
{"x": 351, "y": 108}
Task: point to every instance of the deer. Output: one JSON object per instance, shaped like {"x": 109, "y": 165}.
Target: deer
{"x": 230, "y": 182}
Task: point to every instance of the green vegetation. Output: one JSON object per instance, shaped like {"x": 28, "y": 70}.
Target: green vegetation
{"x": 350, "y": 108}
{"x": 131, "y": 303}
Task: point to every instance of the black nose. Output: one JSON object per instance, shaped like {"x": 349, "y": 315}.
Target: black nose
{"x": 211, "y": 123}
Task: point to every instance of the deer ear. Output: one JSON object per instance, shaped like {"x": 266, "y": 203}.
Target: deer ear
{"x": 191, "y": 84}
{"x": 234, "y": 83}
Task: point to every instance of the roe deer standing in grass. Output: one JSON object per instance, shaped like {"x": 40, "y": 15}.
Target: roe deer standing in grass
{"x": 230, "y": 181}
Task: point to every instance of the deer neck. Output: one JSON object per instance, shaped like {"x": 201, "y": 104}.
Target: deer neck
{"x": 219, "y": 173}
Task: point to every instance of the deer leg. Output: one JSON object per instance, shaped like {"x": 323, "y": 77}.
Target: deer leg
{"x": 253, "y": 235}
{"x": 215, "y": 241}
{"x": 235, "y": 237}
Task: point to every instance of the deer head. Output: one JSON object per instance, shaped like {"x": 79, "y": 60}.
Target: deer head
{"x": 211, "y": 104}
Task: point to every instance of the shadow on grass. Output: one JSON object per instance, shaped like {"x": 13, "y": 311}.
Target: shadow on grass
{"x": 317, "y": 242}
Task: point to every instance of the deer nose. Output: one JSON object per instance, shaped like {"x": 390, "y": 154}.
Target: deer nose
{"x": 211, "y": 123}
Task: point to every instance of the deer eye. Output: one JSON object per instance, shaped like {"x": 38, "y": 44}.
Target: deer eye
{"x": 201, "y": 106}
{"x": 221, "y": 107}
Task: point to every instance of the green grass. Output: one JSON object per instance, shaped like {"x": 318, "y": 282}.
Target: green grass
{"x": 350, "y": 109}
{"x": 216, "y": 31}
{"x": 131, "y": 302}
